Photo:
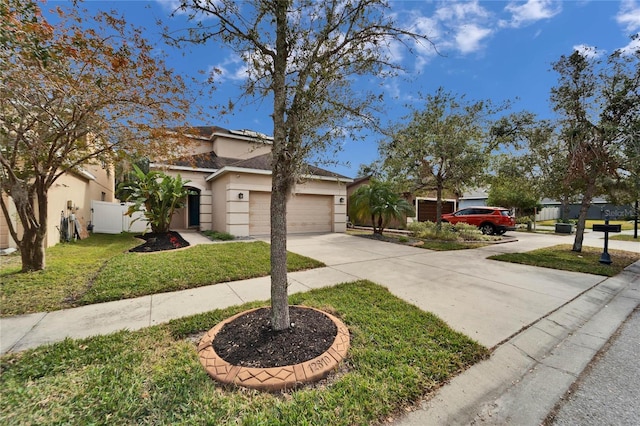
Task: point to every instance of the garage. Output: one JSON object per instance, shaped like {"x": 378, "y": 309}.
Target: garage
{"x": 305, "y": 213}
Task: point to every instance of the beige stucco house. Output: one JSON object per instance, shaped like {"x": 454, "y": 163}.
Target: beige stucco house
{"x": 230, "y": 171}
{"x": 71, "y": 193}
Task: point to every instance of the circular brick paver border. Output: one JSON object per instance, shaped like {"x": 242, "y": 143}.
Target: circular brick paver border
{"x": 274, "y": 378}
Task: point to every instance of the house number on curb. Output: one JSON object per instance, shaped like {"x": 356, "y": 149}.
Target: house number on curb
{"x": 317, "y": 365}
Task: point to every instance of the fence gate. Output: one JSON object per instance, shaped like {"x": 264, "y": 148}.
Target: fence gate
{"x": 110, "y": 218}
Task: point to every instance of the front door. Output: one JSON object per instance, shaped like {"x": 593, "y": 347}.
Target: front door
{"x": 193, "y": 205}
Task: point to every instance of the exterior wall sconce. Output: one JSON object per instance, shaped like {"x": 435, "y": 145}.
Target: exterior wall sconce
{"x": 341, "y": 200}
{"x": 240, "y": 196}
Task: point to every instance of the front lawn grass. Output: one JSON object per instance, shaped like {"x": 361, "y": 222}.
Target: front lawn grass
{"x": 561, "y": 257}
{"x": 623, "y": 237}
{"x": 100, "y": 269}
{"x": 399, "y": 354}
{"x": 626, "y": 225}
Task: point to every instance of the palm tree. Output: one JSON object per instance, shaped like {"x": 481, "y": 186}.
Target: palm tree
{"x": 380, "y": 203}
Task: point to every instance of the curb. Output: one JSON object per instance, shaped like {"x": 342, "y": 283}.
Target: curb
{"x": 528, "y": 374}
{"x": 274, "y": 378}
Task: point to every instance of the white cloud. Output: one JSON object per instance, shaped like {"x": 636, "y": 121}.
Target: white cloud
{"x": 469, "y": 37}
{"x": 460, "y": 26}
{"x": 457, "y": 11}
{"x": 631, "y": 48}
{"x": 533, "y": 10}
{"x": 629, "y": 15}
{"x": 171, "y": 6}
{"x": 588, "y": 51}
{"x": 233, "y": 68}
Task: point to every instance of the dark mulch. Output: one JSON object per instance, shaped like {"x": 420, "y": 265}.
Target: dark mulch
{"x": 249, "y": 341}
{"x": 160, "y": 242}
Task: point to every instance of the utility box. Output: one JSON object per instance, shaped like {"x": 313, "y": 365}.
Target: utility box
{"x": 564, "y": 228}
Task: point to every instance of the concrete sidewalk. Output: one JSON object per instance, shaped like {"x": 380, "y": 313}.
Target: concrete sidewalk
{"x": 544, "y": 325}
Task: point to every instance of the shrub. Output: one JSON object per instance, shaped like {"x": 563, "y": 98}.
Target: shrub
{"x": 448, "y": 232}
{"x": 215, "y": 235}
{"x": 468, "y": 232}
{"x": 523, "y": 220}
{"x": 429, "y": 231}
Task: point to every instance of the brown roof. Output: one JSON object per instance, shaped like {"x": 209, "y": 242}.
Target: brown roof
{"x": 208, "y": 160}
{"x": 261, "y": 162}
{"x": 207, "y": 131}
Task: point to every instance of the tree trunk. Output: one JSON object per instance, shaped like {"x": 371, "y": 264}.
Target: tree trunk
{"x": 279, "y": 285}
{"x": 582, "y": 217}
{"x": 32, "y": 250}
{"x": 33, "y": 221}
{"x": 439, "y": 206}
{"x": 380, "y": 227}
{"x": 564, "y": 209}
{"x": 282, "y": 177}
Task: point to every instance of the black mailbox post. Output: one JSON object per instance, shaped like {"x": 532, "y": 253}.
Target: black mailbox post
{"x": 606, "y": 228}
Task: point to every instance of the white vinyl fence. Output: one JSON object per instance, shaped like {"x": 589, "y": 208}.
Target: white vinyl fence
{"x": 109, "y": 218}
{"x": 548, "y": 213}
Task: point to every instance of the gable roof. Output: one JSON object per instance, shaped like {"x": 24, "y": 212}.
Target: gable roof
{"x": 262, "y": 164}
{"x": 207, "y": 160}
{"x": 219, "y": 165}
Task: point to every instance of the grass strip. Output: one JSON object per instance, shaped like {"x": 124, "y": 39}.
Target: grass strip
{"x": 625, "y": 225}
{"x": 399, "y": 354}
{"x": 624, "y": 237}
{"x": 563, "y": 258}
{"x": 100, "y": 269}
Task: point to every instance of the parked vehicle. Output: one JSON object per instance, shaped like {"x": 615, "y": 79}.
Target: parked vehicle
{"x": 490, "y": 220}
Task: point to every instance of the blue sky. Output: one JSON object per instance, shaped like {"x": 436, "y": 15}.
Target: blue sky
{"x": 498, "y": 50}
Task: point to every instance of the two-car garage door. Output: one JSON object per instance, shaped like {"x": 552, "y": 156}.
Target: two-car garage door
{"x": 305, "y": 213}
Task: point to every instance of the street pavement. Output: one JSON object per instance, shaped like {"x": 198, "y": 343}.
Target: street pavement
{"x": 608, "y": 391}
{"x": 544, "y": 326}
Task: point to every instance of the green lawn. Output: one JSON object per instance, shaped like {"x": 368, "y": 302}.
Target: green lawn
{"x": 100, "y": 269}
{"x": 625, "y": 224}
{"x": 561, "y": 257}
{"x": 399, "y": 355}
{"x": 623, "y": 237}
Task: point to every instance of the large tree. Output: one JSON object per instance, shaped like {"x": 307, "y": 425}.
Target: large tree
{"x": 599, "y": 100}
{"x": 303, "y": 55}
{"x": 533, "y": 163}
{"x": 71, "y": 92}
{"x": 445, "y": 146}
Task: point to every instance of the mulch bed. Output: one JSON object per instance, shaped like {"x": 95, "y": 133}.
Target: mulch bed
{"x": 249, "y": 341}
{"x": 160, "y": 242}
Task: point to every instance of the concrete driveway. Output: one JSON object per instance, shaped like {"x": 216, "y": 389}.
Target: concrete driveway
{"x": 487, "y": 300}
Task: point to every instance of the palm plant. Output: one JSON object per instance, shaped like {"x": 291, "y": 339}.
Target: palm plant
{"x": 157, "y": 196}
{"x": 379, "y": 203}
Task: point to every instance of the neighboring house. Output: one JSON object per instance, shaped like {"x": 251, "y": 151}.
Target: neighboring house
{"x": 230, "y": 173}
{"x": 71, "y": 193}
{"x": 551, "y": 209}
{"x": 424, "y": 204}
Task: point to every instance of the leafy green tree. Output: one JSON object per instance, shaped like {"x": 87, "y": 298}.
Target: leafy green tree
{"x": 73, "y": 91}
{"x": 302, "y": 56}
{"x": 533, "y": 166}
{"x": 379, "y": 203}
{"x": 157, "y": 196}
{"x": 445, "y": 146}
{"x": 600, "y": 104}
{"x": 513, "y": 188}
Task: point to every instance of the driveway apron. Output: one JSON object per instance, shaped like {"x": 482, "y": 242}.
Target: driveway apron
{"x": 487, "y": 300}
